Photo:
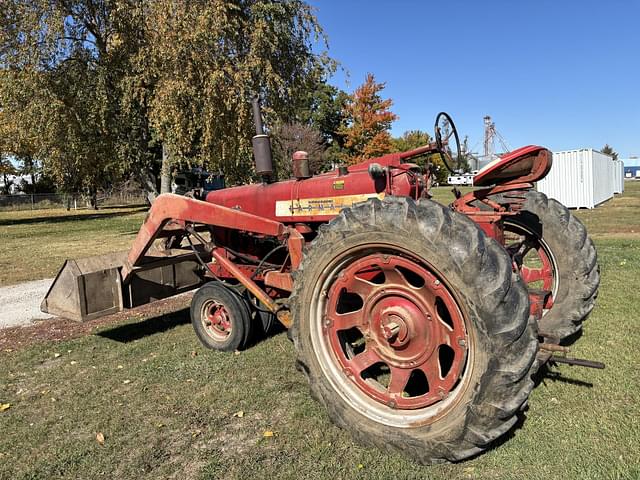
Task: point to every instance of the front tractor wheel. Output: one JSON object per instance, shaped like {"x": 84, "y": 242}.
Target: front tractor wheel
{"x": 220, "y": 317}
{"x": 413, "y": 329}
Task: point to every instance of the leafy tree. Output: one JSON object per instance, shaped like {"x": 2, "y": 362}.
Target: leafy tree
{"x": 204, "y": 61}
{"x": 410, "y": 140}
{"x": 58, "y": 90}
{"x": 417, "y": 138}
{"x": 100, "y": 88}
{"x": 325, "y": 112}
{"x": 291, "y": 137}
{"x": 368, "y": 120}
{"x": 609, "y": 151}
{"x": 6, "y": 169}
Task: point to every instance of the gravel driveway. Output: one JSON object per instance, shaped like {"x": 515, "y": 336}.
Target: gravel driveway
{"x": 20, "y": 304}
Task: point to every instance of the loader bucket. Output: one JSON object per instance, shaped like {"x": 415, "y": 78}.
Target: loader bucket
{"x": 86, "y": 288}
{"x": 92, "y": 287}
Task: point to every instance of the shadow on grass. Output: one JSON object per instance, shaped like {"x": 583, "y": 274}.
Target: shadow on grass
{"x": 163, "y": 323}
{"x": 71, "y": 218}
{"x": 545, "y": 373}
{"x": 135, "y": 331}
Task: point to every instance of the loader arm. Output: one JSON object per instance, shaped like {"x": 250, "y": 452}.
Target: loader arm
{"x": 169, "y": 207}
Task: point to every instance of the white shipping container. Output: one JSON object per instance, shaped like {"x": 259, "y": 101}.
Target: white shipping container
{"x": 619, "y": 175}
{"x": 580, "y": 178}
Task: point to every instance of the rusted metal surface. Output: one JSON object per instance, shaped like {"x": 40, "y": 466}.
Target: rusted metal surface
{"x": 295, "y": 243}
{"x": 249, "y": 284}
{"x": 215, "y": 320}
{"x": 300, "y": 161}
{"x": 175, "y": 207}
{"x": 527, "y": 164}
{"x": 284, "y": 317}
{"x": 92, "y": 287}
{"x": 86, "y": 288}
{"x": 279, "y": 280}
{"x": 403, "y": 320}
{"x": 553, "y": 347}
{"x": 577, "y": 361}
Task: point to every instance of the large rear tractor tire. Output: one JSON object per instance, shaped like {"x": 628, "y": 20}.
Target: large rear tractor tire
{"x": 413, "y": 330}
{"x": 564, "y": 262}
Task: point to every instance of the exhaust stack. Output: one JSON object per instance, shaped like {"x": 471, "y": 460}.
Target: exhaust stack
{"x": 261, "y": 146}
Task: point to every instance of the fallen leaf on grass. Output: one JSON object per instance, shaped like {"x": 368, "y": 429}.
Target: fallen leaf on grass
{"x": 100, "y": 438}
{"x": 240, "y": 414}
{"x": 269, "y": 433}
{"x": 4, "y": 406}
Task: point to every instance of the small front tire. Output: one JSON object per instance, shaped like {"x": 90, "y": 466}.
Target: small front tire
{"x": 220, "y": 317}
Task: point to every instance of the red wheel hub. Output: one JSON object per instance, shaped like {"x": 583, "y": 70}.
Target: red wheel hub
{"x": 216, "y": 320}
{"x": 396, "y": 331}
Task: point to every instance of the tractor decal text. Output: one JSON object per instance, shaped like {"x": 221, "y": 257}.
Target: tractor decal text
{"x": 320, "y": 206}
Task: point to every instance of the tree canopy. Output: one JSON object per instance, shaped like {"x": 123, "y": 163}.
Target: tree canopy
{"x": 609, "y": 151}
{"x": 96, "y": 88}
{"x": 367, "y": 122}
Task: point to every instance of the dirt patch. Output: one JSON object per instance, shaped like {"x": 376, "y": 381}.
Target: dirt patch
{"x": 59, "y": 329}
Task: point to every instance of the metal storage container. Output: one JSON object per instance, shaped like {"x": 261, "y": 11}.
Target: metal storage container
{"x": 580, "y": 178}
{"x": 618, "y": 186}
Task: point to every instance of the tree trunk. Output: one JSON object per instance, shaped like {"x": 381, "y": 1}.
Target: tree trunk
{"x": 148, "y": 182}
{"x": 165, "y": 170}
{"x": 93, "y": 198}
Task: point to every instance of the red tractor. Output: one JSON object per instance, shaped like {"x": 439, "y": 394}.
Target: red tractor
{"x": 418, "y": 326}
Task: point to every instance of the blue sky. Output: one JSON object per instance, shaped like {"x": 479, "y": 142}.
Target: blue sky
{"x": 563, "y": 74}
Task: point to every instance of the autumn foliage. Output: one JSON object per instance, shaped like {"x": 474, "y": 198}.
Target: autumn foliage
{"x": 368, "y": 120}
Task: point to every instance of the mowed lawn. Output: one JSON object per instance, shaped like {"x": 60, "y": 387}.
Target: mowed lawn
{"x": 35, "y": 243}
{"x": 168, "y": 408}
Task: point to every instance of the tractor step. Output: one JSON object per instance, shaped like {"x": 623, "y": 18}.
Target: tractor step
{"x": 92, "y": 287}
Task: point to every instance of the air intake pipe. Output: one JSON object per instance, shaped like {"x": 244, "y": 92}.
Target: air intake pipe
{"x": 261, "y": 146}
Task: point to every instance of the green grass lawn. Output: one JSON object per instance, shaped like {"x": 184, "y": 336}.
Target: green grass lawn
{"x": 35, "y": 243}
{"x": 166, "y": 406}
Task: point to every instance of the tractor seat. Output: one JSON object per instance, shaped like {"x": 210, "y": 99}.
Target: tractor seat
{"x": 524, "y": 165}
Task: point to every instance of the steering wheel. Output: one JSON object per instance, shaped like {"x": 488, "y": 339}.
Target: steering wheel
{"x": 444, "y": 125}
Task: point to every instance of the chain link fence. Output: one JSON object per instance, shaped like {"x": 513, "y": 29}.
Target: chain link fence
{"x": 69, "y": 201}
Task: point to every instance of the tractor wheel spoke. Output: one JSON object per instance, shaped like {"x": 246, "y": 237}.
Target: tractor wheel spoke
{"x": 394, "y": 277}
{"x": 364, "y": 360}
{"x": 431, "y": 370}
{"x": 361, "y": 287}
{"x": 399, "y": 380}
{"x": 345, "y": 321}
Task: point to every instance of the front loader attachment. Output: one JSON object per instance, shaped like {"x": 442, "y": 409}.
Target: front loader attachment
{"x": 93, "y": 287}
{"x": 86, "y": 288}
